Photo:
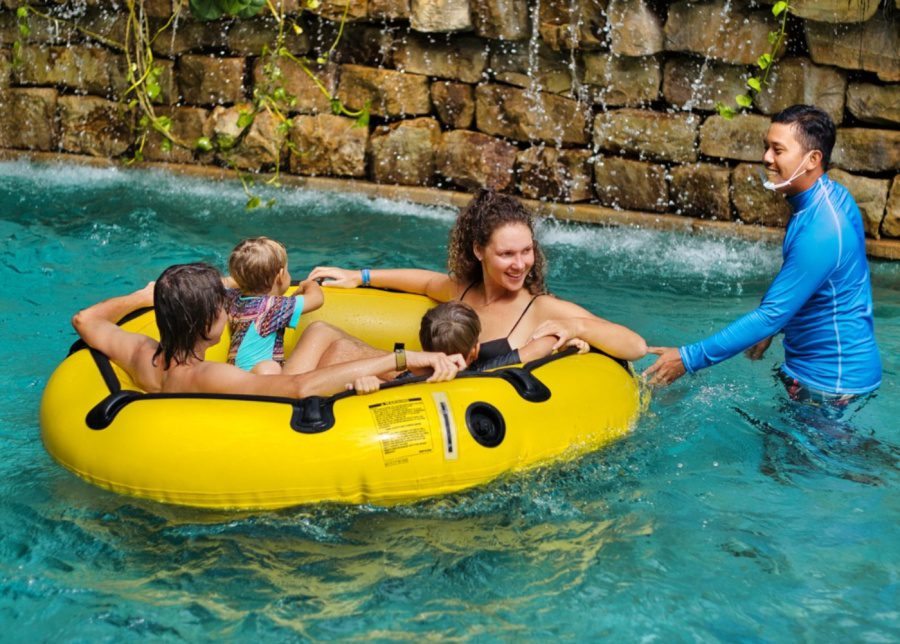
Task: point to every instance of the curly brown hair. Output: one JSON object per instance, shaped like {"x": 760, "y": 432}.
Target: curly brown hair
{"x": 488, "y": 211}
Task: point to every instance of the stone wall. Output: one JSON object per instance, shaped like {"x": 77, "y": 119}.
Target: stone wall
{"x": 610, "y": 102}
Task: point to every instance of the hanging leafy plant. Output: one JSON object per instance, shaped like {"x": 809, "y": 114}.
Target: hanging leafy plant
{"x": 144, "y": 75}
{"x": 215, "y": 9}
{"x": 764, "y": 63}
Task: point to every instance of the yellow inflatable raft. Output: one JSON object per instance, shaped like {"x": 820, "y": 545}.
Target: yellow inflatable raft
{"x": 402, "y": 443}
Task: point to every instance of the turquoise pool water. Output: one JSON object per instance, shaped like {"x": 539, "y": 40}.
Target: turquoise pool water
{"x": 725, "y": 515}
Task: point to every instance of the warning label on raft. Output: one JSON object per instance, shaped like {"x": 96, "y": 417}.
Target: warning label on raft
{"x": 403, "y": 429}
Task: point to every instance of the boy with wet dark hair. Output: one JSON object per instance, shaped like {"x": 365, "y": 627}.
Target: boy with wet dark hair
{"x": 188, "y": 299}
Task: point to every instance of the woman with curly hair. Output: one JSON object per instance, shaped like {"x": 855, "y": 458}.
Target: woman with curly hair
{"x": 496, "y": 266}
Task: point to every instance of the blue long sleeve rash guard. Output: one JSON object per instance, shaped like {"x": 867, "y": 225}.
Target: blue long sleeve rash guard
{"x": 821, "y": 299}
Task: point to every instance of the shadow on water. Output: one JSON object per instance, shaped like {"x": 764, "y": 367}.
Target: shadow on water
{"x": 804, "y": 439}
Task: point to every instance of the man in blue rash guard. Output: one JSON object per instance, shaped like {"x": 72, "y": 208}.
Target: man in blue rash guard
{"x": 821, "y": 298}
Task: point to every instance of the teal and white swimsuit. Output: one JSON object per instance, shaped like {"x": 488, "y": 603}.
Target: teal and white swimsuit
{"x": 257, "y": 326}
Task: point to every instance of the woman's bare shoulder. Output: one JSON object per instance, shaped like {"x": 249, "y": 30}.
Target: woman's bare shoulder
{"x": 549, "y": 305}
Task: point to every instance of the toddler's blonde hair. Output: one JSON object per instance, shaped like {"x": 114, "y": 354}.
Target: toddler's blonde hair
{"x": 254, "y": 264}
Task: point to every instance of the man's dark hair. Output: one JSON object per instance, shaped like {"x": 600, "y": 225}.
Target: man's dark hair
{"x": 188, "y": 299}
{"x": 814, "y": 128}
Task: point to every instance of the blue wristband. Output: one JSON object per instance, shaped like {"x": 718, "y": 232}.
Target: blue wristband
{"x": 366, "y": 277}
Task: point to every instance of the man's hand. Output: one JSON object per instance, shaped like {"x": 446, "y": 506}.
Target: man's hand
{"x": 444, "y": 367}
{"x": 668, "y": 367}
{"x": 758, "y": 350}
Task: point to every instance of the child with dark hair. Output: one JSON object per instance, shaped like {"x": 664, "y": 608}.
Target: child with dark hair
{"x": 258, "y": 312}
{"x": 453, "y": 328}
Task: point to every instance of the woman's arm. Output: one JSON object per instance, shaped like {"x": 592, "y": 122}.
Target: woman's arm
{"x": 566, "y": 320}
{"x": 435, "y": 285}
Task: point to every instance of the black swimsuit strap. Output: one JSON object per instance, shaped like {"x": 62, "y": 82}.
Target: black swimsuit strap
{"x": 533, "y": 298}
{"x": 468, "y": 288}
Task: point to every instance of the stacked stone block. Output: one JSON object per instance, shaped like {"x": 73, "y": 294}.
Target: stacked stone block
{"x": 609, "y": 102}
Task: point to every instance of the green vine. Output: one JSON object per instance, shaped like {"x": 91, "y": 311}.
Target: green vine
{"x": 215, "y": 9}
{"x": 144, "y": 73}
{"x": 764, "y": 63}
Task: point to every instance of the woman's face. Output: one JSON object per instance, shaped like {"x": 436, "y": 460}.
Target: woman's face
{"x": 508, "y": 256}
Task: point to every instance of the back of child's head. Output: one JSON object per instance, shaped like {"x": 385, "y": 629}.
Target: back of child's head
{"x": 254, "y": 264}
{"x": 451, "y": 327}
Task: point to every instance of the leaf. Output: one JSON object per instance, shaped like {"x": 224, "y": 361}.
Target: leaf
{"x": 204, "y": 144}
{"x": 24, "y": 30}
{"x": 778, "y": 8}
{"x": 313, "y": 4}
{"x": 725, "y": 111}
{"x": 297, "y": 29}
{"x": 22, "y": 12}
{"x": 773, "y": 37}
{"x": 270, "y": 203}
{"x": 245, "y": 120}
{"x": 205, "y": 9}
{"x": 336, "y": 107}
{"x": 743, "y": 100}
{"x": 166, "y": 145}
{"x": 753, "y": 83}
{"x": 253, "y": 202}
{"x": 764, "y": 61}
{"x": 163, "y": 123}
{"x": 251, "y": 8}
{"x": 153, "y": 88}
{"x": 321, "y": 60}
{"x": 224, "y": 142}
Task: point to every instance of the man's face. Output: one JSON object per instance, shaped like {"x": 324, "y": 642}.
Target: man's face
{"x": 786, "y": 158}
